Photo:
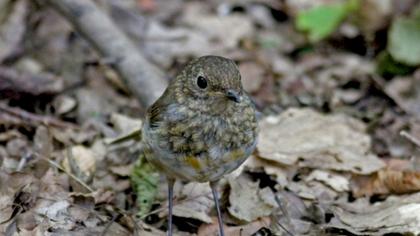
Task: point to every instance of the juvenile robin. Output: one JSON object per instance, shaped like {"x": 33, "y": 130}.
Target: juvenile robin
{"x": 203, "y": 127}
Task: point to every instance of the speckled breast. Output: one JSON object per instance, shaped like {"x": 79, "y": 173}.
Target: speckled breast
{"x": 198, "y": 147}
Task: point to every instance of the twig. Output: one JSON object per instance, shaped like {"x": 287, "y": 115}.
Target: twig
{"x": 281, "y": 206}
{"x": 35, "y": 119}
{"x": 410, "y": 137}
{"x": 145, "y": 80}
{"x": 379, "y": 83}
{"x": 68, "y": 173}
{"x": 23, "y": 161}
{"x": 113, "y": 219}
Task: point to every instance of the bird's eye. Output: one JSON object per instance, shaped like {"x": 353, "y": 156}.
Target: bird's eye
{"x": 201, "y": 82}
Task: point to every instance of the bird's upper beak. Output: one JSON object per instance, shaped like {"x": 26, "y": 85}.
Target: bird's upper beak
{"x": 233, "y": 95}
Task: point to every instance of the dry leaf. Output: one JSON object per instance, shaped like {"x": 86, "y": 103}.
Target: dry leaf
{"x": 197, "y": 204}
{"x": 247, "y": 201}
{"x": 406, "y": 93}
{"x": 124, "y": 124}
{"x": 279, "y": 172}
{"x": 306, "y": 138}
{"x": 80, "y": 161}
{"x": 400, "y": 217}
{"x": 388, "y": 182}
{"x": 54, "y": 211}
{"x": 337, "y": 182}
{"x": 227, "y": 30}
{"x": 64, "y": 104}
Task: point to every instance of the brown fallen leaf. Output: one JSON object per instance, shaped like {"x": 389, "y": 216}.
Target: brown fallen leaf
{"x": 81, "y": 162}
{"x": 18, "y": 192}
{"x": 398, "y": 215}
{"x": 124, "y": 124}
{"x": 278, "y": 172}
{"x": 306, "y": 138}
{"x": 337, "y": 182}
{"x": 405, "y": 91}
{"x": 248, "y": 202}
{"x": 199, "y": 203}
{"x": 388, "y": 182}
{"x": 64, "y": 104}
{"x": 9, "y": 134}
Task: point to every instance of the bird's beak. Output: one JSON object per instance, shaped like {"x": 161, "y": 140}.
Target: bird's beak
{"x": 233, "y": 95}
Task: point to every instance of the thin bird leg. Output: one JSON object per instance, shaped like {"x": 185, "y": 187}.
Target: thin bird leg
{"x": 170, "y": 204}
{"x": 216, "y": 202}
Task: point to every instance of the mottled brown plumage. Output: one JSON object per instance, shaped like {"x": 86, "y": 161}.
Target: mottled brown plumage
{"x": 204, "y": 125}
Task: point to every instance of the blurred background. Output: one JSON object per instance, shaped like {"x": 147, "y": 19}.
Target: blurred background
{"x": 348, "y": 68}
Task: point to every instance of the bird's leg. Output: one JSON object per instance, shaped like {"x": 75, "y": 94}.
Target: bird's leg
{"x": 170, "y": 204}
{"x": 213, "y": 186}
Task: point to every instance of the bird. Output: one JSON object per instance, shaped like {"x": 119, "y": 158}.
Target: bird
{"x": 202, "y": 127}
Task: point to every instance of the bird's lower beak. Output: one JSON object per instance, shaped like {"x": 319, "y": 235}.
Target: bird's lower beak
{"x": 233, "y": 95}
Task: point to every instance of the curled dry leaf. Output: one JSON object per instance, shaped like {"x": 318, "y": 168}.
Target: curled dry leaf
{"x": 278, "y": 172}
{"x": 17, "y": 147}
{"x": 198, "y": 203}
{"x": 248, "y": 202}
{"x": 70, "y": 136}
{"x": 313, "y": 190}
{"x": 10, "y": 134}
{"x": 402, "y": 217}
{"x": 198, "y": 34}
{"x": 64, "y": 104}
{"x": 405, "y": 91}
{"x": 18, "y": 191}
{"x": 55, "y": 211}
{"x": 337, "y": 182}
{"x": 388, "y": 182}
{"x": 307, "y": 138}
{"x": 174, "y": 42}
{"x": 124, "y": 124}
{"x": 80, "y": 161}
{"x": 218, "y": 28}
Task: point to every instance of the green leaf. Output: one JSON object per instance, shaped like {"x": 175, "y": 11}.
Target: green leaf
{"x": 404, "y": 40}
{"x": 388, "y": 67}
{"x": 145, "y": 179}
{"x": 319, "y": 22}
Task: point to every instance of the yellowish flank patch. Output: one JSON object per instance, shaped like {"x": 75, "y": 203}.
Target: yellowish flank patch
{"x": 193, "y": 162}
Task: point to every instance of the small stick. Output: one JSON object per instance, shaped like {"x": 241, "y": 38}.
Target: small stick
{"x": 410, "y": 137}
{"x": 35, "y": 119}
{"x": 144, "y": 79}
{"x": 68, "y": 173}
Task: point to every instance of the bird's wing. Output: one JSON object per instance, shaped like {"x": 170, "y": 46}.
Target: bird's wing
{"x": 156, "y": 112}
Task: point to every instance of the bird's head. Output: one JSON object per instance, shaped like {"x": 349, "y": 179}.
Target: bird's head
{"x": 210, "y": 79}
